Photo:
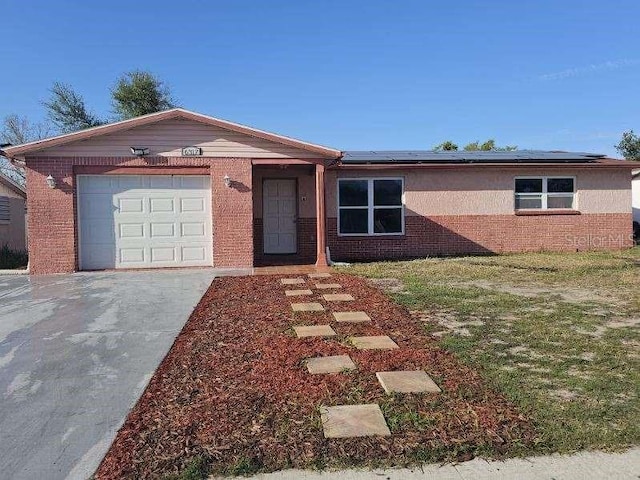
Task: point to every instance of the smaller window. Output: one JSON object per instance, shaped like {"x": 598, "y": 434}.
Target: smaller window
{"x": 544, "y": 193}
{"x": 5, "y": 210}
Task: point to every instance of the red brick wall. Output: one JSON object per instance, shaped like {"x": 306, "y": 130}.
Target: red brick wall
{"x": 232, "y": 213}
{"x": 306, "y": 233}
{"x": 51, "y": 219}
{"x": 52, "y": 216}
{"x": 470, "y": 234}
{"x": 307, "y": 239}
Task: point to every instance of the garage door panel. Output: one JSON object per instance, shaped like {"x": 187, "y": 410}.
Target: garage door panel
{"x": 130, "y": 205}
{"x": 163, "y": 254}
{"x": 102, "y": 255}
{"x": 195, "y": 182}
{"x": 193, "y": 253}
{"x": 144, "y": 221}
{"x": 192, "y": 229}
{"x": 101, "y": 184}
{"x": 163, "y": 230}
{"x": 131, "y": 255}
{"x": 131, "y": 230}
{"x": 99, "y": 205}
{"x": 192, "y": 204}
{"x": 97, "y": 232}
{"x": 161, "y": 181}
{"x": 162, "y": 205}
{"x": 130, "y": 182}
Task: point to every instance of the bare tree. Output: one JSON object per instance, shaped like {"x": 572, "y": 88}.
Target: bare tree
{"x": 16, "y": 130}
{"x": 67, "y": 110}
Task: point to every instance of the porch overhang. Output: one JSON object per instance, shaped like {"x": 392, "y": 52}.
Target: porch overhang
{"x": 319, "y": 166}
{"x": 289, "y": 161}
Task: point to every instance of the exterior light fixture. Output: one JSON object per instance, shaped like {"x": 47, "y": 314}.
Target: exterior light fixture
{"x": 227, "y": 180}
{"x": 51, "y": 182}
{"x": 139, "y": 151}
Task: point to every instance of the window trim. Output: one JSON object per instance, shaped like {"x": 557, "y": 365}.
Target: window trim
{"x": 545, "y": 194}
{"x": 370, "y": 207}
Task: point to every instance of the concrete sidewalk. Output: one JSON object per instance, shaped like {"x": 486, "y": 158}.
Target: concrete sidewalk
{"x": 580, "y": 466}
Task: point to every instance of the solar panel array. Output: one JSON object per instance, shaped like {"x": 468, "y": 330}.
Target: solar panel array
{"x": 430, "y": 156}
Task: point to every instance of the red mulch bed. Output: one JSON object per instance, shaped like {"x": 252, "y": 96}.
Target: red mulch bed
{"x": 234, "y": 390}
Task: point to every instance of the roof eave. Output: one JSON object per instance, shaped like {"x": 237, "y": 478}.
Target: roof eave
{"x": 610, "y": 163}
{"x": 18, "y": 151}
{"x": 6, "y": 181}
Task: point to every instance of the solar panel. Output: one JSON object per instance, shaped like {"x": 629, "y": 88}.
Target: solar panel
{"x": 426, "y": 156}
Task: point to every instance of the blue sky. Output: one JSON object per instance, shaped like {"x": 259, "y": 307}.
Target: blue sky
{"x": 349, "y": 74}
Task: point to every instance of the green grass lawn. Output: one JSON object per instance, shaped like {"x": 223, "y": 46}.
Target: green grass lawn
{"x": 558, "y": 334}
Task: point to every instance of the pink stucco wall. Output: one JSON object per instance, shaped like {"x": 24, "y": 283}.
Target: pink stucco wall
{"x": 490, "y": 191}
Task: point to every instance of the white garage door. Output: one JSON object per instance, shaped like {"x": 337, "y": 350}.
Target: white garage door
{"x": 142, "y": 221}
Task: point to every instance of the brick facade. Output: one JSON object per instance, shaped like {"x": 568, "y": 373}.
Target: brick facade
{"x": 232, "y": 209}
{"x": 237, "y": 235}
{"x": 477, "y": 234}
{"x": 52, "y": 212}
{"x": 306, "y": 234}
{"x": 51, "y": 220}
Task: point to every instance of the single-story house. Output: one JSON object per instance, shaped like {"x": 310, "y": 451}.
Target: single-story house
{"x": 13, "y": 200}
{"x": 178, "y": 188}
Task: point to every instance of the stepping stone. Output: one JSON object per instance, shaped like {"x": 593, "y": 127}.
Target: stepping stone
{"x": 351, "y": 317}
{"x": 295, "y": 293}
{"x": 325, "y": 286}
{"x": 345, "y": 421}
{"x": 381, "y": 342}
{"x": 314, "y": 331}
{"x": 407, "y": 381}
{"x": 334, "y": 364}
{"x": 291, "y": 281}
{"x": 319, "y": 275}
{"x": 338, "y": 297}
{"x": 307, "y": 307}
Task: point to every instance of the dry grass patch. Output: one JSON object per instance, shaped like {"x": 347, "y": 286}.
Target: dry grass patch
{"x": 557, "y": 333}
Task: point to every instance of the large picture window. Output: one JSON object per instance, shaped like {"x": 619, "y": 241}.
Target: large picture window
{"x": 545, "y": 193}
{"x": 370, "y": 206}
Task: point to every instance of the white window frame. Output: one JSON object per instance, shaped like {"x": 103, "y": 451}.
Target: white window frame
{"x": 370, "y": 207}
{"x": 5, "y": 209}
{"x": 545, "y": 194}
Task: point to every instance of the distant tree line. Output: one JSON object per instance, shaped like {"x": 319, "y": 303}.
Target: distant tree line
{"x": 488, "y": 146}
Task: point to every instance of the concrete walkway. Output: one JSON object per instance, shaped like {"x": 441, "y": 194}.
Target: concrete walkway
{"x": 580, "y": 466}
{"x": 76, "y": 352}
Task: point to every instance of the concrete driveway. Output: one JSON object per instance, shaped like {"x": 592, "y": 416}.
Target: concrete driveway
{"x": 76, "y": 352}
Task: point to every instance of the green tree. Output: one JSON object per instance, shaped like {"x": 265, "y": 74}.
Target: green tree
{"x": 140, "y": 93}
{"x": 446, "y": 146}
{"x": 488, "y": 146}
{"x": 67, "y": 110}
{"x": 629, "y": 146}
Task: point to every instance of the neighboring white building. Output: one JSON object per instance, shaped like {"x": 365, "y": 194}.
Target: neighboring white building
{"x": 12, "y": 214}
